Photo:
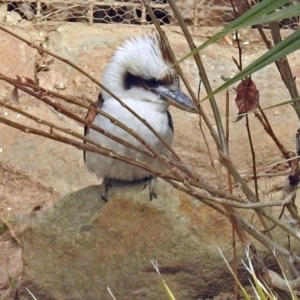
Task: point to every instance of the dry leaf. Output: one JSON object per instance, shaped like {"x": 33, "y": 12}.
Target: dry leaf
{"x": 294, "y": 173}
{"x": 25, "y": 79}
{"x": 29, "y": 80}
{"x": 50, "y": 62}
{"x": 247, "y": 97}
{"x": 228, "y": 39}
{"x": 15, "y": 96}
{"x": 92, "y": 112}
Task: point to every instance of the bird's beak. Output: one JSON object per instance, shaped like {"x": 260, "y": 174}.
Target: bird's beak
{"x": 177, "y": 98}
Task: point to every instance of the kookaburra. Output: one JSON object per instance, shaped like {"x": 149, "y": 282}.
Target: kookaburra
{"x": 140, "y": 73}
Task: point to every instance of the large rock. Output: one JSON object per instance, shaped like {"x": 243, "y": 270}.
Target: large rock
{"x": 82, "y": 245}
{"x": 60, "y": 168}
{"x": 90, "y": 48}
{"x": 16, "y": 59}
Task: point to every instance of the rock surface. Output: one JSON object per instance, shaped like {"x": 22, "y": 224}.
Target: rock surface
{"x": 12, "y": 18}
{"x": 82, "y": 245}
{"x": 35, "y": 172}
{"x": 90, "y": 48}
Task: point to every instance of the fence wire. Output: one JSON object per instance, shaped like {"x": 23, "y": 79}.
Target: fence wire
{"x": 197, "y": 13}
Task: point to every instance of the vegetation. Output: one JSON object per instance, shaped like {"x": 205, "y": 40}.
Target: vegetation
{"x": 268, "y": 284}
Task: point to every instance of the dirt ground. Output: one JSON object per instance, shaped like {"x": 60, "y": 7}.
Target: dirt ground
{"x": 35, "y": 172}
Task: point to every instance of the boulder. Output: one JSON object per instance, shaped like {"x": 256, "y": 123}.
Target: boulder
{"x": 82, "y": 245}
{"x": 17, "y": 59}
{"x": 3, "y": 11}
{"x": 12, "y": 18}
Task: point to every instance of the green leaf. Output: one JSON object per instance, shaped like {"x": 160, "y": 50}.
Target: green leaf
{"x": 257, "y": 11}
{"x": 282, "y": 49}
{"x": 285, "y": 13}
{"x": 247, "y": 19}
{"x": 280, "y": 104}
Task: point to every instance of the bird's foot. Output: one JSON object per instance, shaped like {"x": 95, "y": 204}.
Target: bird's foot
{"x": 152, "y": 185}
{"x": 104, "y": 187}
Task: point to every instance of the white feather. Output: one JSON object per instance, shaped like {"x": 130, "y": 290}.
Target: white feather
{"x": 141, "y": 57}
{"x": 110, "y": 168}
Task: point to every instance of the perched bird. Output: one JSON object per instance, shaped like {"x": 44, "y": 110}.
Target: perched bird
{"x": 140, "y": 73}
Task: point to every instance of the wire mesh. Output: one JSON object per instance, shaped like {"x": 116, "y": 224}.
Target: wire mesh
{"x": 196, "y": 13}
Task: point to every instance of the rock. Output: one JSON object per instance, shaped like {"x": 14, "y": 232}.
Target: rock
{"x": 16, "y": 59}
{"x": 13, "y": 259}
{"x": 76, "y": 44}
{"x": 12, "y": 18}
{"x": 206, "y": 17}
{"x": 3, "y": 11}
{"x": 82, "y": 245}
{"x": 26, "y": 10}
{"x": 60, "y": 168}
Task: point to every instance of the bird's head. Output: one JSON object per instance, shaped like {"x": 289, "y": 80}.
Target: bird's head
{"x": 142, "y": 69}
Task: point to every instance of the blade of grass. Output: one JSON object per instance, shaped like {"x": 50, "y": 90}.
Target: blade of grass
{"x": 110, "y": 292}
{"x": 289, "y": 12}
{"x": 294, "y": 296}
{"x": 245, "y": 295}
{"x": 280, "y": 104}
{"x": 282, "y": 49}
{"x": 30, "y": 294}
{"x": 169, "y": 293}
{"x": 252, "y": 17}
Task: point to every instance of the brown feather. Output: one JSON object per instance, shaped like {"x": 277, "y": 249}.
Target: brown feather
{"x": 168, "y": 78}
{"x": 165, "y": 51}
{"x": 90, "y": 116}
{"x": 171, "y": 124}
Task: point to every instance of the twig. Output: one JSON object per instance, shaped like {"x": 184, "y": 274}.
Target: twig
{"x": 264, "y": 121}
{"x": 253, "y": 158}
{"x": 221, "y": 141}
{"x": 284, "y": 69}
{"x": 180, "y": 73}
{"x": 72, "y": 132}
{"x": 202, "y": 131}
{"x": 12, "y": 233}
{"x": 66, "y": 112}
{"x": 32, "y": 45}
{"x": 240, "y": 67}
{"x": 81, "y": 146}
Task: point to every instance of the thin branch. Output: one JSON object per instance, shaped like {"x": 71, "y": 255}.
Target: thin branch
{"x": 66, "y": 112}
{"x": 220, "y": 141}
{"x": 202, "y": 113}
{"x": 32, "y": 45}
{"x": 72, "y": 132}
{"x": 253, "y": 158}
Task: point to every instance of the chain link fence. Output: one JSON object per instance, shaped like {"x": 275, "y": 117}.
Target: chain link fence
{"x": 197, "y": 13}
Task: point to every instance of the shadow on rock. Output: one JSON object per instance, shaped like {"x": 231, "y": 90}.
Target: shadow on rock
{"x": 82, "y": 245}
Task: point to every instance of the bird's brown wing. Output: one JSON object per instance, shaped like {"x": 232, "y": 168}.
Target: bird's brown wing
{"x": 171, "y": 125}
{"x": 91, "y": 114}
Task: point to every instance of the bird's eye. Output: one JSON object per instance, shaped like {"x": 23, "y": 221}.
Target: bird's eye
{"x": 153, "y": 82}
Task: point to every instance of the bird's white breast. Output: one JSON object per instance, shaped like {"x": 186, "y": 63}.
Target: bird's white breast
{"x": 153, "y": 113}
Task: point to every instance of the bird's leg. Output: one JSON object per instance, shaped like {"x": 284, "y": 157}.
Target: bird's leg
{"x": 105, "y": 185}
{"x": 152, "y": 184}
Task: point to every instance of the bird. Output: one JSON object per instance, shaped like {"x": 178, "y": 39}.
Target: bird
{"x": 142, "y": 75}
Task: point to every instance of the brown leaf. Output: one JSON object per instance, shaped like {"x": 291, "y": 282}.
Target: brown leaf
{"x": 15, "y": 96}
{"x": 294, "y": 173}
{"x": 247, "y": 97}
{"x": 28, "y": 80}
{"x": 228, "y": 40}
{"x": 50, "y": 62}
{"x": 25, "y": 79}
{"x": 92, "y": 112}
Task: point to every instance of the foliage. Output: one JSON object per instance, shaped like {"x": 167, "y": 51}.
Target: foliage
{"x": 223, "y": 200}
